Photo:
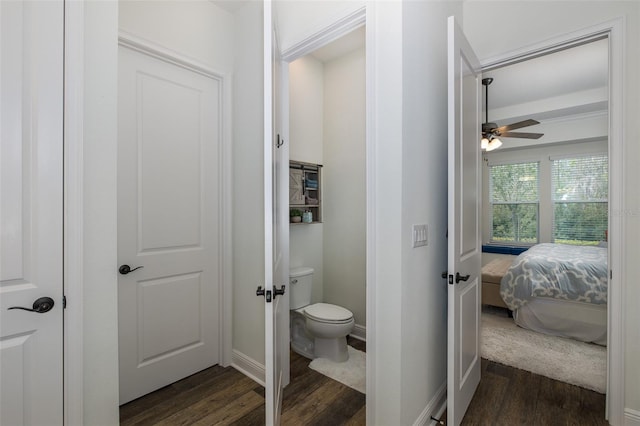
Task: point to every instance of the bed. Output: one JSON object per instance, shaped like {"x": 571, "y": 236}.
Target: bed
{"x": 560, "y": 290}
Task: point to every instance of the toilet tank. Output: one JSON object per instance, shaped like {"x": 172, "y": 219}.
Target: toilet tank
{"x": 300, "y": 282}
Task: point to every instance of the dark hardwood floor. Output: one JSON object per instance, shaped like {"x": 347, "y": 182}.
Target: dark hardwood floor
{"x": 227, "y": 397}
{"x": 506, "y": 396}
{"x": 509, "y": 396}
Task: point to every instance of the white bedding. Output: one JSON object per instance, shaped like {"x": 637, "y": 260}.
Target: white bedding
{"x": 581, "y": 321}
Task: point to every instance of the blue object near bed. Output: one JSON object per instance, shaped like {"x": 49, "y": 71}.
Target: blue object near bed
{"x": 559, "y": 271}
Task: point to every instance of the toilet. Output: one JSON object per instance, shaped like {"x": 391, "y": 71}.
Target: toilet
{"x": 318, "y": 330}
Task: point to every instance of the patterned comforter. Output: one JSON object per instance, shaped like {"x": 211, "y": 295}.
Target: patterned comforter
{"x": 577, "y": 273}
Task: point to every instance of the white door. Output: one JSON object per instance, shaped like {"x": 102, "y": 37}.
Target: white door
{"x": 464, "y": 252}
{"x": 276, "y": 195}
{"x": 31, "y": 159}
{"x": 168, "y": 222}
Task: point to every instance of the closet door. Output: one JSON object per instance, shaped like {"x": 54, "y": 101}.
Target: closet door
{"x": 169, "y": 237}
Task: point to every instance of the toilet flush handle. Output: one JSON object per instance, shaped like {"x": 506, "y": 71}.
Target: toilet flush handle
{"x": 294, "y": 281}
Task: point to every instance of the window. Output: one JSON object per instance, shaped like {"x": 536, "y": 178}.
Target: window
{"x": 514, "y": 203}
{"x": 555, "y": 193}
{"x": 580, "y": 199}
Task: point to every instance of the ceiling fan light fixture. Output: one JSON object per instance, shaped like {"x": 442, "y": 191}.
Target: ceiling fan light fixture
{"x": 484, "y": 143}
{"x": 491, "y": 130}
{"x": 494, "y": 143}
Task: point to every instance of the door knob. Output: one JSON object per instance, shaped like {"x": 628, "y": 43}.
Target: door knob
{"x": 40, "y": 306}
{"x": 125, "y": 269}
{"x": 461, "y": 277}
{"x": 278, "y": 291}
{"x": 266, "y": 293}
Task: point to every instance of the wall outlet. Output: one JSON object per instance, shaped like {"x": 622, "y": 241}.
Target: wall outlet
{"x": 420, "y": 235}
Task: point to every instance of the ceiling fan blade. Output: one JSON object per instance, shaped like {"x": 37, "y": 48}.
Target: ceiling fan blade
{"x": 521, "y": 135}
{"x": 517, "y": 125}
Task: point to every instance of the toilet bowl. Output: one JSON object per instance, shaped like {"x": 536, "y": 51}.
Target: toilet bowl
{"x": 318, "y": 330}
{"x": 329, "y": 325}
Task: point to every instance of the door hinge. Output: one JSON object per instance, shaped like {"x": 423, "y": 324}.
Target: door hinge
{"x": 64, "y": 302}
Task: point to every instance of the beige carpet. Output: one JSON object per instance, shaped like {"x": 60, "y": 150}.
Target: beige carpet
{"x": 352, "y": 372}
{"x": 567, "y": 360}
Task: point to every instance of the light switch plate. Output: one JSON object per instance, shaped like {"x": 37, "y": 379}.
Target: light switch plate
{"x": 420, "y": 235}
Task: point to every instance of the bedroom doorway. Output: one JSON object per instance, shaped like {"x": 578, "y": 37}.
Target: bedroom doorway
{"x": 577, "y": 117}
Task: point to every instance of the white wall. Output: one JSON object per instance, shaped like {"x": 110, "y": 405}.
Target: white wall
{"x": 528, "y": 22}
{"x": 306, "y": 97}
{"x": 99, "y": 306}
{"x": 344, "y": 189}
{"x": 384, "y": 284}
{"x": 195, "y": 29}
{"x": 424, "y": 200}
{"x": 248, "y": 197}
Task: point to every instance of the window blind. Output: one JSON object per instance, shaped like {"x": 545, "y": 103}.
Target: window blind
{"x": 580, "y": 199}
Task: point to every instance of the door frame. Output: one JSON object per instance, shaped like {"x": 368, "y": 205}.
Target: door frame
{"x": 225, "y": 303}
{"x": 613, "y": 30}
{"x": 74, "y": 199}
{"x": 340, "y": 27}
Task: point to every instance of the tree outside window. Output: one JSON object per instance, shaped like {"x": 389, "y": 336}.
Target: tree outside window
{"x": 514, "y": 203}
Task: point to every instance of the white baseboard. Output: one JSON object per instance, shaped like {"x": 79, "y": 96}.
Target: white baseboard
{"x": 248, "y": 366}
{"x": 631, "y": 417}
{"x": 434, "y": 408}
{"x": 359, "y": 332}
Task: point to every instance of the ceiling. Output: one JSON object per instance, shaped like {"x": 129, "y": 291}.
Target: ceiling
{"x": 568, "y": 81}
{"x": 345, "y": 44}
{"x": 562, "y": 84}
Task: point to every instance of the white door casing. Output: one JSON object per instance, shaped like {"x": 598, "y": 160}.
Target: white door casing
{"x": 31, "y": 212}
{"x": 169, "y": 139}
{"x": 464, "y": 233}
{"x": 276, "y": 238}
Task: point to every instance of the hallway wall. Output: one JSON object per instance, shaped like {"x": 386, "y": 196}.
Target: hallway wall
{"x": 247, "y": 184}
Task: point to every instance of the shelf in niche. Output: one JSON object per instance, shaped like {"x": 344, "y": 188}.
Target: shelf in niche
{"x": 299, "y": 173}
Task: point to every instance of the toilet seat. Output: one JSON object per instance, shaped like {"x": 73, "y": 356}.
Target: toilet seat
{"x": 328, "y": 313}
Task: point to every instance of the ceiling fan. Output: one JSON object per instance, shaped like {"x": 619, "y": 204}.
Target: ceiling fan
{"x": 491, "y": 131}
